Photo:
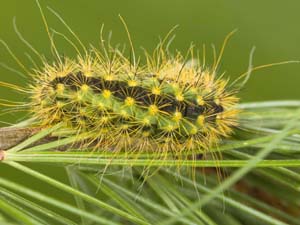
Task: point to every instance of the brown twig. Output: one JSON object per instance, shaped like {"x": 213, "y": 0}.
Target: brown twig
{"x": 11, "y": 136}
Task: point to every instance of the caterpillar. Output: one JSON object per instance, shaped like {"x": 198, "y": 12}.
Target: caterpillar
{"x": 167, "y": 105}
{"x": 162, "y": 106}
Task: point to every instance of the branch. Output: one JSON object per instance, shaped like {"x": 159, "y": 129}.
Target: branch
{"x": 11, "y": 136}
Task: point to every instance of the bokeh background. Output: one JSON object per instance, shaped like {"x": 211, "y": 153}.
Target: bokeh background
{"x": 271, "y": 26}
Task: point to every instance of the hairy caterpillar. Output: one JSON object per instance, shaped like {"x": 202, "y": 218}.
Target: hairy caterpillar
{"x": 167, "y": 105}
{"x": 163, "y": 106}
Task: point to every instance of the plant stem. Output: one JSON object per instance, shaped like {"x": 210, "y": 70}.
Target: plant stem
{"x": 75, "y": 192}
{"x": 81, "y": 159}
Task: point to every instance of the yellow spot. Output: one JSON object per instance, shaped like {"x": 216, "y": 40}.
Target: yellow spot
{"x": 51, "y": 91}
{"x": 60, "y": 88}
{"x": 61, "y": 74}
{"x": 146, "y": 134}
{"x": 106, "y": 93}
{"x": 124, "y": 127}
{"x": 179, "y": 97}
{"x": 81, "y": 123}
{"x": 146, "y": 121}
{"x": 85, "y": 88}
{"x": 104, "y": 119}
{"x": 109, "y": 77}
{"x": 132, "y": 83}
{"x": 104, "y": 130}
{"x": 189, "y": 144}
{"x": 82, "y": 112}
{"x": 200, "y": 100}
{"x": 200, "y": 120}
{"x": 88, "y": 73}
{"x": 78, "y": 97}
{"x": 100, "y": 106}
{"x": 124, "y": 114}
{"x": 170, "y": 128}
{"x": 156, "y": 91}
{"x": 168, "y": 139}
{"x": 194, "y": 130}
{"x": 177, "y": 116}
{"x": 43, "y": 103}
{"x": 153, "y": 109}
{"x": 217, "y": 101}
{"x": 59, "y": 104}
{"x": 56, "y": 117}
{"x": 129, "y": 101}
{"x": 174, "y": 85}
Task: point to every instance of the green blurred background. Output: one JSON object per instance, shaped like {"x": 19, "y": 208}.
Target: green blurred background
{"x": 271, "y": 26}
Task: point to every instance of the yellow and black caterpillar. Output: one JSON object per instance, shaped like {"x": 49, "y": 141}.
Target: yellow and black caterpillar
{"x": 167, "y": 105}
{"x": 164, "y": 106}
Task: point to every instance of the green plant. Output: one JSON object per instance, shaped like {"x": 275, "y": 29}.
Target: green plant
{"x": 266, "y": 157}
{"x": 256, "y": 181}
